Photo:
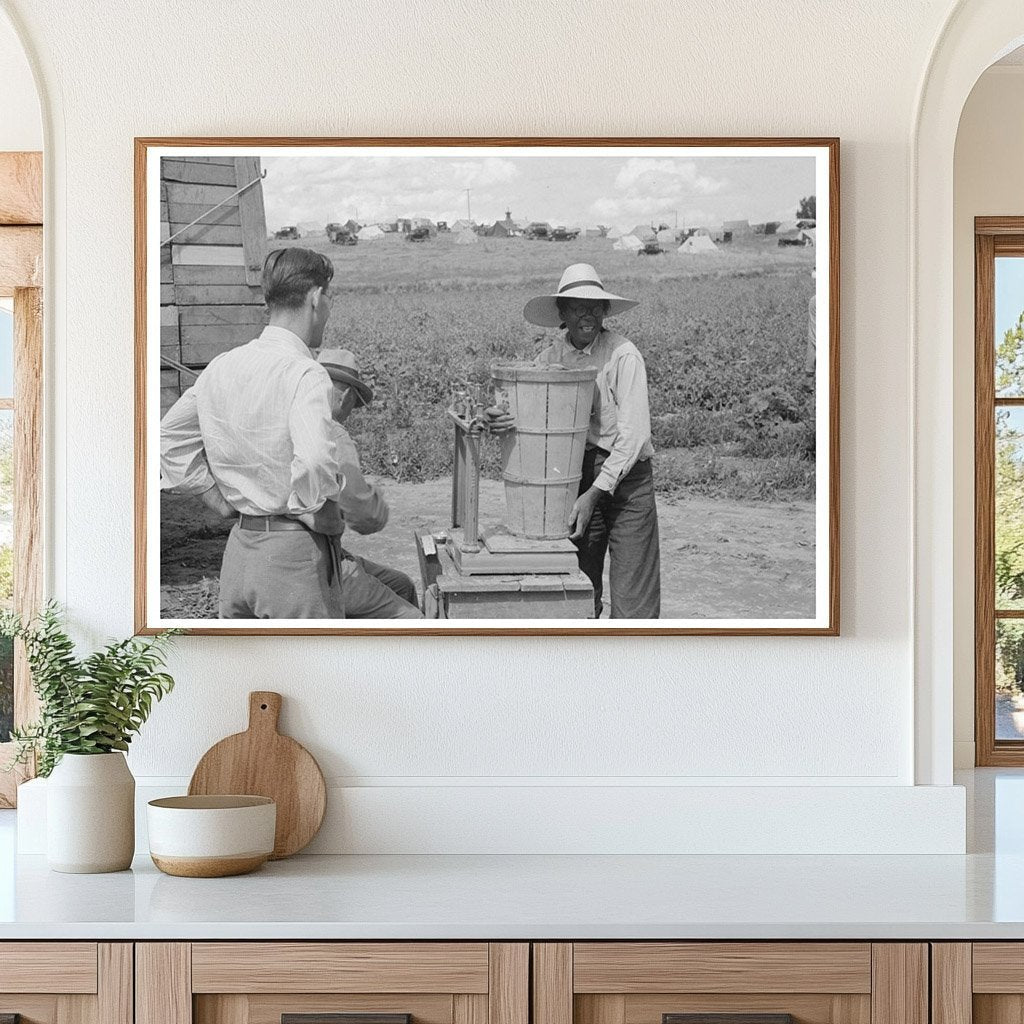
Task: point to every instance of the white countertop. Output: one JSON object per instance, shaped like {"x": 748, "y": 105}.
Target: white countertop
{"x": 977, "y": 896}
{"x": 495, "y": 897}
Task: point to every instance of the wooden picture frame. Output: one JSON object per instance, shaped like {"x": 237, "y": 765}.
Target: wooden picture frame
{"x": 756, "y": 414}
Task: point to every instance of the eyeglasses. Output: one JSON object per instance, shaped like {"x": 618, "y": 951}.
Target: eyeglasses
{"x": 588, "y": 309}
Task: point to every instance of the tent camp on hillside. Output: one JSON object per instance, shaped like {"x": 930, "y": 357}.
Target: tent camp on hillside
{"x": 697, "y": 244}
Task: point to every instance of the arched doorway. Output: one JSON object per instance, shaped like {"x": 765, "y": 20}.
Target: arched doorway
{"x": 976, "y": 34}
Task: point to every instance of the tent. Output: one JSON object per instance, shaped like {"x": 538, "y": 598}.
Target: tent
{"x": 667, "y": 236}
{"x": 696, "y": 244}
{"x": 738, "y": 227}
{"x": 370, "y": 233}
{"x": 465, "y": 237}
{"x": 643, "y": 231}
{"x": 614, "y": 234}
{"x": 463, "y": 225}
{"x": 809, "y": 236}
{"x": 629, "y": 243}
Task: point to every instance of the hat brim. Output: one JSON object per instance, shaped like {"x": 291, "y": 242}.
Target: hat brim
{"x": 543, "y": 310}
{"x": 340, "y": 375}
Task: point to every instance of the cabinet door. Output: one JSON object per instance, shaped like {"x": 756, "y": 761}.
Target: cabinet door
{"x": 730, "y": 983}
{"x": 978, "y": 983}
{"x": 66, "y": 983}
{"x": 332, "y": 983}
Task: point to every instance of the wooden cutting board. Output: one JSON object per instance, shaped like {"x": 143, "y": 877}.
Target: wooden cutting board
{"x": 262, "y": 762}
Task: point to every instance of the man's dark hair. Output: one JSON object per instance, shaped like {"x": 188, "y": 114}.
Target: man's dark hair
{"x": 289, "y": 274}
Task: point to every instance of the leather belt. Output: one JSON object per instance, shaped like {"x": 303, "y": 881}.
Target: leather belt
{"x": 268, "y": 524}
{"x": 596, "y": 448}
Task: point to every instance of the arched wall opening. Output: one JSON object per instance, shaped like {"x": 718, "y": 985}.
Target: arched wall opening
{"x": 976, "y": 34}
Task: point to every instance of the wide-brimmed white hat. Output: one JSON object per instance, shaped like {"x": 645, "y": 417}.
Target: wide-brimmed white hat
{"x": 580, "y": 281}
{"x": 340, "y": 363}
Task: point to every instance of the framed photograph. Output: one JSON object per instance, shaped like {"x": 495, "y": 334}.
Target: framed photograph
{"x": 449, "y": 386}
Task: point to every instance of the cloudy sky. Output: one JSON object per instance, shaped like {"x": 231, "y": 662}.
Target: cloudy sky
{"x": 616, "y": 190}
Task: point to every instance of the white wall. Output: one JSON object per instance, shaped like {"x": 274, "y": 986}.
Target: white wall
{"x": 21, "y": 126}
{"x": 987, "y": 182}
{"x": 426, "y": 716}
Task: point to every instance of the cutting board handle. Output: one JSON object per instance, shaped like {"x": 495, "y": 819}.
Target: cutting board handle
{"x": 264, "y": 710}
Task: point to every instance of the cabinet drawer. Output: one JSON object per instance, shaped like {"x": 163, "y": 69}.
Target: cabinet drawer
{"x": 332, "y": 983}
{"x": 66, "y": 982}
{"x": 65, "y": 967}
{"x": 730, "y": 983}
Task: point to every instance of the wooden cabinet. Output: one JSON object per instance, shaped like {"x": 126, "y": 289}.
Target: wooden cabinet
{"x": 652, "y": 982}
{"x": 978, "y": 983}
{"x": 261, "y": 982}
{"x": 66, "y": 982}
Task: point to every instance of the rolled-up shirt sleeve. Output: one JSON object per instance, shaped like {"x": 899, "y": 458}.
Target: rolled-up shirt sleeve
{"x": 314, "y": 466}
{"x": 183, "y": 465}
{"x": 633, "y": 419}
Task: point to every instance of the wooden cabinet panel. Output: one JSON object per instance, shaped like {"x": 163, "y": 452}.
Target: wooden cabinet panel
{"x": 998, "y": 967}
{"x": 951, "y": 983}
{"x": 899, "y": 993}
{"x": 66, "y": 982}
{"x": 635, "y": 967}
{"x": 339, "y": 967}
{"x": 64, "y": 967}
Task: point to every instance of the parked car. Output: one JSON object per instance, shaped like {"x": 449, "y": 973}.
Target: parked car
{"x": 288, "y": 232}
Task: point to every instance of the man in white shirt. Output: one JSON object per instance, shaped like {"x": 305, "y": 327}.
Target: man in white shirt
{"x": 253, "y": 437}
{"x": 615, "y": 514}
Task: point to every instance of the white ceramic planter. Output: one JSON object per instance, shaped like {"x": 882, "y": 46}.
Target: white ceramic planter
{"x": 90, "y": 814}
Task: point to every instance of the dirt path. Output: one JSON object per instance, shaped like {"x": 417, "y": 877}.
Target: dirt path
{"x": 720, "y": 558}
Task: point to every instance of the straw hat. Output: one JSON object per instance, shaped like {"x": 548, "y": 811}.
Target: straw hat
{"x": 580, "y": 281}
{"x": 341, "y": 365}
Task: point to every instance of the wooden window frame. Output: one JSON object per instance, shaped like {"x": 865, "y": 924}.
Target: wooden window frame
{"x": 21, "y": 277}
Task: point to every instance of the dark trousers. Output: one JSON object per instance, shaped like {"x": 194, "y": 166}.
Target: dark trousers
{"x": 625, "y": 527}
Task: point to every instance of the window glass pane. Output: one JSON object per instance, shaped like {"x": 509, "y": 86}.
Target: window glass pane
{"x": 6, "y": 567}
{"x": 6, "y": 352}
{"x": 1009, "y": 679}
{"x": 1009, "y": 481}
{"x": 1009, "y": 316}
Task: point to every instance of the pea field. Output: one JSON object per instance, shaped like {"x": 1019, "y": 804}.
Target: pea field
{"x": 723, "y": 335}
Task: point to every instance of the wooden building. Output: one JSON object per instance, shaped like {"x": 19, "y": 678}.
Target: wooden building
{"x": 211, "y": 262}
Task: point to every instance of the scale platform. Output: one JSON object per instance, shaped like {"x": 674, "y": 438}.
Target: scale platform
{"x": 500, "y": 552}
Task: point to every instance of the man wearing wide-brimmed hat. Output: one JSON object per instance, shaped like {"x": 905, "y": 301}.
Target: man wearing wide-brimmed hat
{"x": 615, "y": 512}
{"x": 371, "y": 590}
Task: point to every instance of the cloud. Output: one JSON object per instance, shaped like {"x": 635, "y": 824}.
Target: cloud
{"x": 655, "y": 178}
{"x": 653, "y": 189}
{"x": 381, "y": 186}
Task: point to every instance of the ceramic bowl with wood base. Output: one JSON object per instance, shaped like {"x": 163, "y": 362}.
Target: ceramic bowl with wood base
{"x": 211, "y": 836}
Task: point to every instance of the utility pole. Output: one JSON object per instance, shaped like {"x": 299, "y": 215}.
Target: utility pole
{"x": 469, "y": 215}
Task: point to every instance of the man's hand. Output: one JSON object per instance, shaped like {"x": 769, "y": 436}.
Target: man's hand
{"x": 212, "y": 498}
{"x": 367, "y": 513}
{"x": 327, "y": 519}
{"x": 582, "y": 511}
{"x": 499, "y": 420}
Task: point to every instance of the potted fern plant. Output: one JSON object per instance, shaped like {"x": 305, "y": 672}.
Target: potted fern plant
{"x": 90, "y": 708}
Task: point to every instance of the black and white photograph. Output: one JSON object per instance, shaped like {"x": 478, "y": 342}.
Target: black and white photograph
{"x": 456, "y": 386}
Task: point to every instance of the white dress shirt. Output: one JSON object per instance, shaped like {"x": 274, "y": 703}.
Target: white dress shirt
{"x": 620, "y": 419}
{"x": 258, "y": 424}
